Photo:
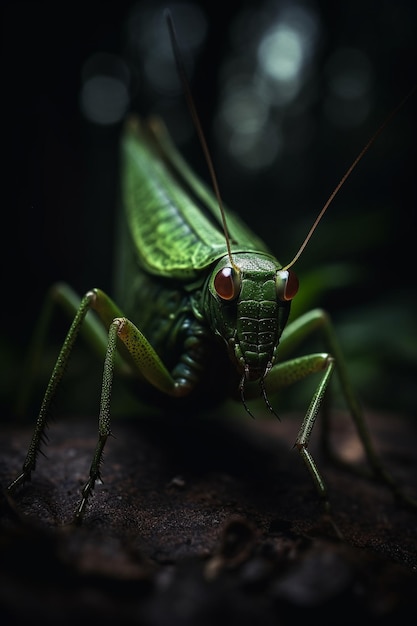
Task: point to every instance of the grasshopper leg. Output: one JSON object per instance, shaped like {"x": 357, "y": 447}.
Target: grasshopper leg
{"x": 58, "y": 371}
{"x": 146, "y": 361}
{"x": 143, "y": 358}
{"x": 288, "y": 372}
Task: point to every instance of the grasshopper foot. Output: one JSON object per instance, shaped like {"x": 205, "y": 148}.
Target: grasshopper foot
{"x": 24, "y": 477}
{"x": 86, "y": 492}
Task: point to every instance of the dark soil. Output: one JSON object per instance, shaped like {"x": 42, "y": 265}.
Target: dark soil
{"x": 204, "y": 522}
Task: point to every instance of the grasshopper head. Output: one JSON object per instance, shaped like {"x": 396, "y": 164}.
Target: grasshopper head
{"x": 249, "y": 306}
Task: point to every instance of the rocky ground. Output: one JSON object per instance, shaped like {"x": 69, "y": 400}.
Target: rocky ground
{"x": 204, "y": 521}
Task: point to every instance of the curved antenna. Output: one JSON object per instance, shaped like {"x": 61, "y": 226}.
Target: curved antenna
{"x": 190, "y": 101}
{"x": 348, "y": 173}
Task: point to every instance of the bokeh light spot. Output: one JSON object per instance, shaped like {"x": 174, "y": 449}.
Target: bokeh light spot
{"x": 104, "y": 96}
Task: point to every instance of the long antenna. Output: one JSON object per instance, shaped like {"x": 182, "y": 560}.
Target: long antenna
{"x": 190, "y": 101}
{"x": 348, "y": 173}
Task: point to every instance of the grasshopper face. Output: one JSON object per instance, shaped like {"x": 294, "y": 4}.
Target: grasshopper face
{"x": 249, "y": 305}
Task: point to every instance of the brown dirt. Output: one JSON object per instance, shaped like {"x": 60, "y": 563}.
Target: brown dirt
{"x": 203, "y": 521}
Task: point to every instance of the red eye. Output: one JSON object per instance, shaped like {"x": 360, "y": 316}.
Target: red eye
{"x": 227, "y": 283}
{"x": 287, "y": 284}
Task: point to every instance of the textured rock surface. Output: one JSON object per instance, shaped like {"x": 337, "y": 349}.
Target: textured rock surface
{"x": 207, "y": 520}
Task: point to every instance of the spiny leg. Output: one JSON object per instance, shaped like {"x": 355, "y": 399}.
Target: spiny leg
{"x": 143, "y": 358}
{"x": 57, "y": 374}
{"x": 103, "y": 423}
{"x": 306, "y": 428}
{"x": 293, "y": 335}
{"x": 148, "y": 363}
{"x": 287, "y": 373}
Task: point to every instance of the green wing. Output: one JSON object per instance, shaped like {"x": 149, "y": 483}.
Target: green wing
{"x": 174, "y": 220}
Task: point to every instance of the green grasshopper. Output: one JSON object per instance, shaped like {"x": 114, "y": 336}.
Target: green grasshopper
{"x": 202, "y": 300}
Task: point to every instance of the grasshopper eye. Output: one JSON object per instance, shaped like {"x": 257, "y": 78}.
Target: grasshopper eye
{"x": 286, "y": 284}
{"x": 227, "y": 283}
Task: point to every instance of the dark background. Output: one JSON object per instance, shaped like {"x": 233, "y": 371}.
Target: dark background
{"x": 59, "y": 183}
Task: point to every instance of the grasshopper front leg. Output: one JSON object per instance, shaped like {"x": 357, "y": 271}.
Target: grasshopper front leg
{"x": 288, "y": 372}
{"x": 147, "y": 363}
{"x": 143, "y": 356}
